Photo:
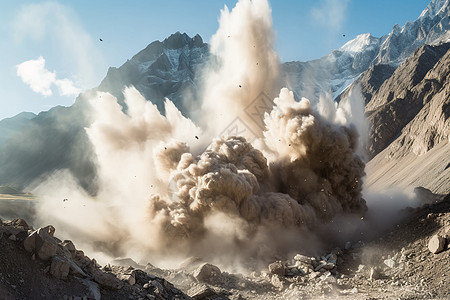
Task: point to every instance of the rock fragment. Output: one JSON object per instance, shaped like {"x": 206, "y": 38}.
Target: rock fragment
{"x": 303, "y": 259}
{"x": 60, "y": 267}
{"x": 374, "y": 274}
{"x": 277, "y": 268}
{"x": 207, "y": 273}
{"x": 277, "y": 281}
{"x": 389, "y": 262}
{"x": 436, "y": 244}
{"x": 201, "y": 292}
{"x": 107, "y": 280}
{"x": 42, "y": 242}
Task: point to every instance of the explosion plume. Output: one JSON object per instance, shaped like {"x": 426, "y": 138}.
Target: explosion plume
{"x": 160, "y": 195}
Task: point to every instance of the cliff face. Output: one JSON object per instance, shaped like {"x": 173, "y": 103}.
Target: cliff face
{"x": 410, "y": 124}
{"x": 403, "y": 95}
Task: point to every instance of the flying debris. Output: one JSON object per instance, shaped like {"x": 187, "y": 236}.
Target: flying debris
{"x": 196, "y": 137}
{"x": 101, "y": 40}
{"x": 343, "y": 35}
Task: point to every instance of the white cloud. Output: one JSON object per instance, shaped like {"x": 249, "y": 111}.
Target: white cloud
{"x": 66, "y": 87}
{"x": 56, "y": 24}
{"x": 40, "y": 80}
{"x": 330, "y": 14}
{"x": 34, "y": 73}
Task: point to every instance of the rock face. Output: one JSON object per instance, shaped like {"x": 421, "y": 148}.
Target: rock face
{"x": 401, "y": 97}
{"x": 162, "y": 69}
{"x": 48, "y": 268}
{"x": 410, "y": 125}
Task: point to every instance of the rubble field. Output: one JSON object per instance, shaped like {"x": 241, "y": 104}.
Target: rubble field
{"x": 411, "y": 260}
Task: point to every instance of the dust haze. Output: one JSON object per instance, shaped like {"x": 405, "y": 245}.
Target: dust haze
{"x": 170, "y": 187}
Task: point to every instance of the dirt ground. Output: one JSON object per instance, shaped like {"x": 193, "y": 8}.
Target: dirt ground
{"x": 395, "y": 264}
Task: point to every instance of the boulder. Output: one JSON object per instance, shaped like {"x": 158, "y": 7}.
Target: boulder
{"x": 436, "y": 244}
{"x": 42, "y": 242}
{"x": 201, "y": 292}
{"x": 207, "y": 273}
{"x": 374, "y": 274}
{"x": 107, "y": 280}
{"x": 277, "y": 268}
{"x": 389, "y": 262}
{"x": 303, "y": 259}
{"x": 60, "y": 267}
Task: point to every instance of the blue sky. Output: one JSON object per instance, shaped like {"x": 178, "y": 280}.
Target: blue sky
{"x": 63, "y": 37}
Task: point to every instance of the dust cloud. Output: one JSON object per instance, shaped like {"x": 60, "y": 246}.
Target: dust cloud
{"x": 171, "y": 187}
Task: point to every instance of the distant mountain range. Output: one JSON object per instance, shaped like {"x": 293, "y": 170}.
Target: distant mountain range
{"x": 395, "y": 73}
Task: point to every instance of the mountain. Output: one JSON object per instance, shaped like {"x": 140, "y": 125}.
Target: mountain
{"x": 337, "y": 70}
{"x": 9, "y": 126}
{"x": 162, "y": 69}
{"x": 410, "y": 124}
{"x": 402, "y": 96}
{"x": 53, "y": 140}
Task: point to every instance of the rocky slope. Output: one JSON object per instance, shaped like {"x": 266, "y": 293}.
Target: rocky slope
{"x": 400, "y": 98}
{"x": 411, "y": 128}
{"x": 10, "y": 126}
{"x": 53, "y": 140}
{"x": 409, "y": 261}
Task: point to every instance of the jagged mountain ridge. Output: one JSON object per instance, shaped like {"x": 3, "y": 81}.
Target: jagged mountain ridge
{"x": 337, "y": 70}
{"x": 162, "y": 69}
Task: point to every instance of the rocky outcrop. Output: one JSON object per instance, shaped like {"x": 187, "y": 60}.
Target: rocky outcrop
{"x": 401, "y": 97}
{"x": 78, "y": 276}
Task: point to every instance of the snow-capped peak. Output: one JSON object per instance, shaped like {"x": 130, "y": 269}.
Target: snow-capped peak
{"x": 434, "y": 8}
{"x": 360, "y": 43}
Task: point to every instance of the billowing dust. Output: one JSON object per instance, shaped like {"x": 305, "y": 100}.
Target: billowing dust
{"x": 172, "y": 187}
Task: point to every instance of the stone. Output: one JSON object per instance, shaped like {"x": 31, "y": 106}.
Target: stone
{"x": 13, "y": 237}
{"x": 129, "y": 278}
{"x": 158, "y": 287}
{"x": 207, "y": 273}
{"x": 277, "y": 268}
{"x": 201, "y": 292}
{"x": 313, "y": 275}
{"x": 320, "y": 265}
{"x": 94, "y": 289}
{"x": 303, "y": 259}
{"x": 107, "y": 280}
{"x": 59, "y": 268}
{"x": 277, "y": 282}
{"x": 389, "y": 262}
{"x": 332, "y": 258}
{"x": 42, "y": 242}
{"x": 76, "y": 270}
{"x": 436, "y": 244}
{"x": 20, "y": 222}
{"x": 374, "y": 274}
